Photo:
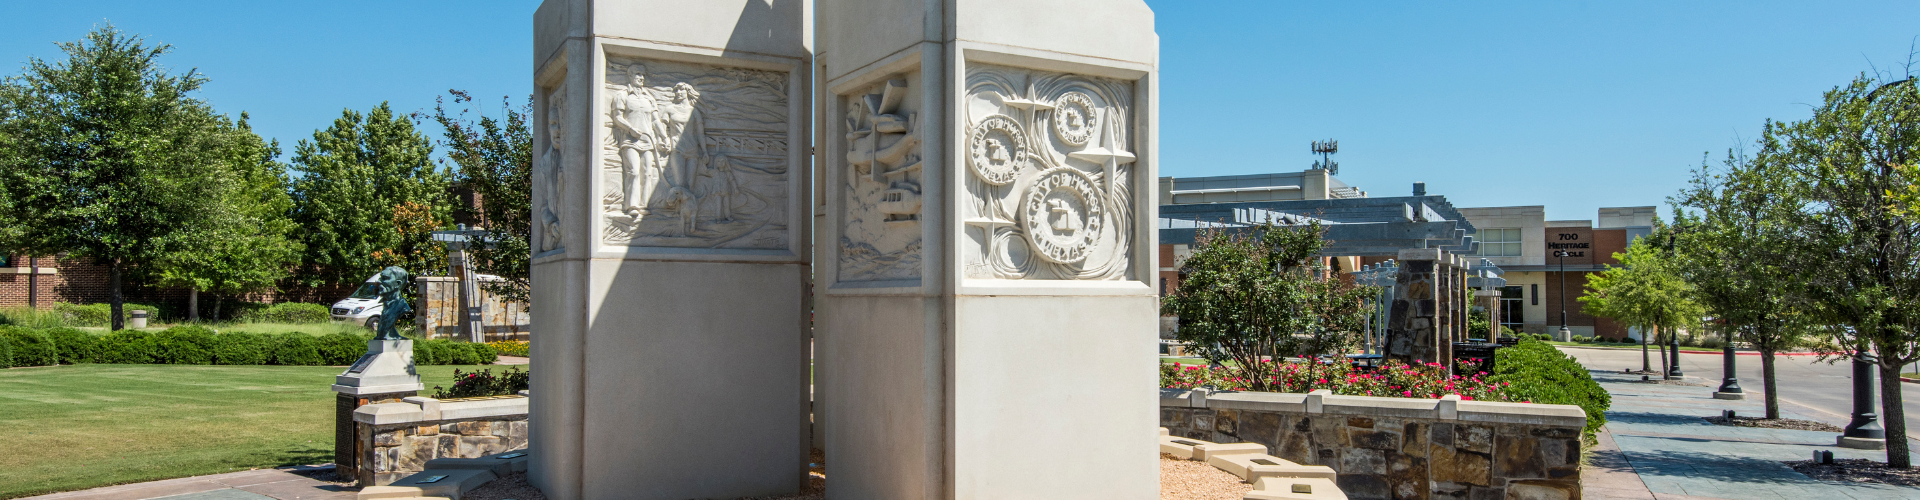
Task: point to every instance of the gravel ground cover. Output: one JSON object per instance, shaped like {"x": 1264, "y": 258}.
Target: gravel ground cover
{"x": 1191, "y": 480}
{"x": 1779, "y": 423}
{"x": 1857, "y": 470}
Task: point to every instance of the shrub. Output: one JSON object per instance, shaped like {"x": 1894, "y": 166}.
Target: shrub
{"x": 133, "y": 347}
{"x": 1538, "y": 373}
{"x": 483, "y": 383}
{"x": 296, "y": 349}
{"x": 432, "y": 352}
{"x": 482, "y": 354}
{"x": 1392, "y": 379}
{"x": 183, "y": 345}
{"x": 286, "y": 312}
{"x": 99, "y": 314}
{"x": 241, "y": 348}
{"x": 75, "y": 346}
{"x": 510, "y": 347}
{"x": 341, "y": 348}
{"x": 6, "y": 352}
{"x": 30, "y": 347}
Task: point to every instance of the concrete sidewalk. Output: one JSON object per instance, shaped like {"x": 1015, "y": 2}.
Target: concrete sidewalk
{"x": 262, "y": 484}
{"x": 1655, "y": 434}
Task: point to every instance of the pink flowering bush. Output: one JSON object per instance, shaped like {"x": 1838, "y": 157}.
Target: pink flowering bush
{"x": 1393, "y": 379}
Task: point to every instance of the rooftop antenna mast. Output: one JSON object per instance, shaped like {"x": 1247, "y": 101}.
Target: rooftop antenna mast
{"x": 1326, "y": 149}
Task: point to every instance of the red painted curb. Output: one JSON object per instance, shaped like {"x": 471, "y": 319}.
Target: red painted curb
{"x": 1737, "y": 353}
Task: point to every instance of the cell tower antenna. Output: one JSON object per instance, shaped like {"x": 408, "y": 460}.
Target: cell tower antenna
{"x": 1326, "y": 149}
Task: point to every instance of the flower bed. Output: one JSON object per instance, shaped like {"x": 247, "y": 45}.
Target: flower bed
{"x": 1394, "y": 379}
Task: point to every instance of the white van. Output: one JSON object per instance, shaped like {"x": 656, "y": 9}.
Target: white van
{"x": 363, "y": 306}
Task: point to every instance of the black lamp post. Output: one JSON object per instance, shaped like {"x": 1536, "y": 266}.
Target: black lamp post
{"x": 1864, "y": 430}
{"x": 1729, "y": 380}
{"x": 1565, "y": 333}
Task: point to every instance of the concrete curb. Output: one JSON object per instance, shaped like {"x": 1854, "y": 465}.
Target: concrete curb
{"x": 1737, "y": 352}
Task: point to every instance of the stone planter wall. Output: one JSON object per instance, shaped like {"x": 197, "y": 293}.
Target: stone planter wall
{"x": 1398, "y": 448}
{"x": 397, "y": 439}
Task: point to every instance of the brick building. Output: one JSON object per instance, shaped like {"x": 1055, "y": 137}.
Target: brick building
{"x": 1363, "y": 231}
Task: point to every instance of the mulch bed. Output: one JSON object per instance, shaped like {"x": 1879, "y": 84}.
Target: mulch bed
{"x": 1777, "y": 423}
{"x": 1857, "y": 470}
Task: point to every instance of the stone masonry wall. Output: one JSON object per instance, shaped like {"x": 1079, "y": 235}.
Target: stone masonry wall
{"x": 391, "y": 449}
{"x": 1397, "y": 449}
{"x": 438, "y": 312}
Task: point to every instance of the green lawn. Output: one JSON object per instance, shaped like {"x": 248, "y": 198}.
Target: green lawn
{"x": 85, "y": 426}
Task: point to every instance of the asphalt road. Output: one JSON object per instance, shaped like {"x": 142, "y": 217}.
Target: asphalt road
{"x": 1801, "y": 379}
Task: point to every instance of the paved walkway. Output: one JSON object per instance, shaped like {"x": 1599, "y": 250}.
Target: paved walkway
{"x": 1655, "y": 446}
{"x": 262, "y": 484}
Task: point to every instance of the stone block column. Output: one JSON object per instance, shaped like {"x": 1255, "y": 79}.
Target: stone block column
{"x": 1413, "y": 332}
{"x": 987, "y": 192}
{"x": 670, "y": 248}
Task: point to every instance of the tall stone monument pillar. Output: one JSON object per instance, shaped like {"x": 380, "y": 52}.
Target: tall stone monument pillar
{"x": 986, "y": 316}
{"x": 670, "y": 248}
{"x": 1414, "y": 332}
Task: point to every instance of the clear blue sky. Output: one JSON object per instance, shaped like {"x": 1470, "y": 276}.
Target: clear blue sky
{"x": 1572, "y": 106}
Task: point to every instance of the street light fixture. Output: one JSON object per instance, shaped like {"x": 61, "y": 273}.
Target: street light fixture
{"x": 1565, "y": 333}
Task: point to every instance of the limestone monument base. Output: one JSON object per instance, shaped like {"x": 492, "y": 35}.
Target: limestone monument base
{"x": 384, "y": 374}
{"x": 670, "y": 263}
{"x": 986, "y": 187}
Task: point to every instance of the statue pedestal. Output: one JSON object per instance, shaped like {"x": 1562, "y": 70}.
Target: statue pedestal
{"x": 386, "y": 368}
{"x": 384, "y": 375}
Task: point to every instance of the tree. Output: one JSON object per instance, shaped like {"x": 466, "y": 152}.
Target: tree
{"x": 105, "y": 156}
{"x": 1738, "y": 251}
{"x": 249, "y": 246}
{"x": 1854, "y": 156}
{"x": 1645, "y": 290}
{"x": 1249, "y": 298}
{"x": 494, "y": 159}
{"x": 354, "y": 177}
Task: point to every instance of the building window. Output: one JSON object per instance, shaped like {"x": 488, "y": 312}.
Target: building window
{"x": 1512, "y": 315}
{"x": 6, "y": 261}
{"x": 1535, "y": 294}
{"x": 1499, "y": 242}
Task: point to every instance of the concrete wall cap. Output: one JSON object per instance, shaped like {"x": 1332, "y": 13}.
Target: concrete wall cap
{"x": 1522, "y": 413}
{"x": 389, "y": 414}
{"x": 1272, "y": 401}
{"x": 429, "y": 407}
{"x": 503, "y": 407}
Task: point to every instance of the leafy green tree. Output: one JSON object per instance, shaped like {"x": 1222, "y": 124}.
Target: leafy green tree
{"x": 494, "y": 158}
{"x": 1645, "y": 290}
{"x": 1738, "y": 249}
{"x": 249, "y": 246}
{"x": 1249, "y": 299}
{"x": 352, "y": 179}
{"x": 1854, "y": 155}
{"x": 105, "y": 155}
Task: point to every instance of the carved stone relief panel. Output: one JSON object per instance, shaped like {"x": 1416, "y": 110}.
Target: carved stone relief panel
{"x": 1050, "y": 165}
{"x": 550, "y": 179}
{"x": 695, "y": 156}
{"x": 880, "y": 229}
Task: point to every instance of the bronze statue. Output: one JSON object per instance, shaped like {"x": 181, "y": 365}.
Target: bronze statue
{"x": 393, "y": 279}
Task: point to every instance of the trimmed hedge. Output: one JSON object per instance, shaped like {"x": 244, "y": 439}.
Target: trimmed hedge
{"x": 129, "y": 347}
{"x": 286, "y": 312}
{"x": 100, "y": 314}
{"x": 75, "y": 346}
{"x": 1542, "y": 374}
{"x": 183, "y": 345}
{"x": 241, "y": 348}
{"x": 198, "y": 345}
{"x": 30, "y": 347}
{"x": 342, "y": 348}
{"x": 295, "y": 349}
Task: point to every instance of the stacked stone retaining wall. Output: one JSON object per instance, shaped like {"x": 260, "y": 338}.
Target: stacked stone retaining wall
{"x": 397, "y": 439}
{"x": 1398, "y": 448}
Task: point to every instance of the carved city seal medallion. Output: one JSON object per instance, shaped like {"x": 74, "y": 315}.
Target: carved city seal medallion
{"x": 998, "y": 150}
{"x": 1073, "y": 118}
{"x": 1062, "y": 215}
